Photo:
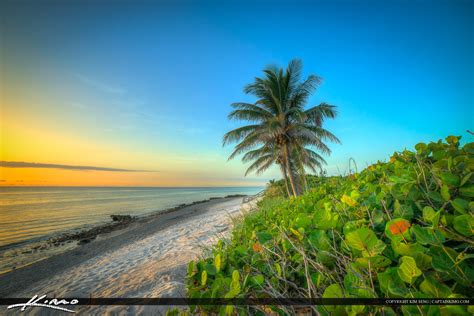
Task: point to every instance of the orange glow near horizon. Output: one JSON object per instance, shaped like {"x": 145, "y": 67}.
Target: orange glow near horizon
{"x": 23, "y": 142}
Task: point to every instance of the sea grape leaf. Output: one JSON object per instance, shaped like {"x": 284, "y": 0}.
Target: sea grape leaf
{"x": 192, "y": 269}
{"x": 297, "y": 233}
{"x": 391, "y": 284}
{"x": 423, "y": 261}
{"x": 407, "y": 249}
{"x": 278, "y": 269}
{"x": 303, "y": 220}
{"x": 257, "y": 279}
{"x": 434, "y": 288}
{"x": 235, "y": 283}
{"x": 453, "y": 140}
{"x": 460, "y": 205}
{"x": 217, "y": 262}
{"x": 333, "y": 291}
{"x": 203, "y": 278}
{"x": 465, "y": 179}
{"x": 263, "y": 237}
{"x": 427, "y": 236}
{"x": 449, "y": 179}
{"x": 210, "y": 269}
{"x": 407, "y": 270}
{"x": 448, "y": 261}
{"x": 348, "y": 200}
{"x": 421, "y": 147}
{"x": 464, "y": 224}
{"x": 404, "y": 211}
{"x": 374, "y": 262}
{"x": 398, "y": 229}
{"x": 435, "y": 196}
{"x": 365, "y": 240}
{"x": 325, "y": 219}
{"x": 467, "y": 191}
{"x": 430, "y": 216}
{"x": 445, "y": 193}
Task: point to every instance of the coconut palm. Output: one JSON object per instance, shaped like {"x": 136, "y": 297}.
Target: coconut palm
{"x": 282, "y": 131}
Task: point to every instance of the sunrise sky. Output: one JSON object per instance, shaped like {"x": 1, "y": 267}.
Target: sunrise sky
{"x": 88, "y": 88}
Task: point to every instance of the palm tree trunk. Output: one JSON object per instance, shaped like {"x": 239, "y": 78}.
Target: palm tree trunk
{"x": 285, "y": 178}
{"x": 290, "y": 172}
{"x": 303, "y": 180}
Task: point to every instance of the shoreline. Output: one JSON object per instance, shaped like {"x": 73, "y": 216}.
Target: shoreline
{"x": 61, "y": 242}
{"x": 133, "y": 236}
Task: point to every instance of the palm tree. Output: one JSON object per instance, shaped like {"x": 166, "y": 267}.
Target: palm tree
{"x": 282, "y": 132}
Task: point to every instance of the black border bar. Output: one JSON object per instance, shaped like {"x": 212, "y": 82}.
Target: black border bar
{"x": 252, "y": 301}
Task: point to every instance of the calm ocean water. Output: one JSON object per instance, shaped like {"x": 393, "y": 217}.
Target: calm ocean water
{"x": 32, "y": 213}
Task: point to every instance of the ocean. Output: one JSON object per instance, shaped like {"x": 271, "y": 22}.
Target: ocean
{"x": 29, "y": 215}
{"x": 33, "y": 213}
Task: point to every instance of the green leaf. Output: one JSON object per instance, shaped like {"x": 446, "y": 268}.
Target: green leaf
{"x": 229, "y": 310}
{"x": 373, "y": 262}
{"x": 467, "y": 191}
{"x": 445, "y": 193}
{"x": 427, "y": 236}
{"x": 278, "y": 269}
{"x": 453, "y": 140}
{"x": 235, "y": 283}
{"x": 333, "y": 291}
{"x": 297, "y": 233}
{"x": 460, "y": 205}
{"x": 407, "y": 249}
{"x": 217, "y": 262}
{"x": 421, "y": 147}
{"x": 235, "y": 276}
{"x": 324, "y": 219}
{"x": 210, "y": 269}
{"x": 365, "y": 240}
{"x": 391, "y": 283}
{"x": 450, "y": 179}
{"x": 203, "y": 278}
{"x": 450, "y": 263}
{"x": 348, "y": 200}
{"x": 303, "y": 220}
{"x": 319, "y": 240}
{"x": 464, "y": 224}
{"x": 465, "y": 179}
{"x": 263, "y": 237}
{"x": 192, "y": 270}
{"x": 258, "y": 279}
{"x": 430, "y": 216}
{"x": 434, "y": 288}
{"x": 408, "y": 271}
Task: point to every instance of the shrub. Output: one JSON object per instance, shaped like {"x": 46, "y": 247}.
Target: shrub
{"x": 401, "y": 229}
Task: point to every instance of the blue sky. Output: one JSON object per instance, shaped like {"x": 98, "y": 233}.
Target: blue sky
{"x": 155, "y": 79}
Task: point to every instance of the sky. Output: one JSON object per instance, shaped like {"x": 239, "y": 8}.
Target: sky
{"x": 138, "y": 93}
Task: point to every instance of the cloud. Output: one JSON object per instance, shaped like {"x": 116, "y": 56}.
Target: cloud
{"x": 100, "y": 85}
{"x": 21, "y": 164}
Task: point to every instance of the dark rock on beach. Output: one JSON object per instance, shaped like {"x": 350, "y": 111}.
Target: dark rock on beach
{"x": 121, "y": 218}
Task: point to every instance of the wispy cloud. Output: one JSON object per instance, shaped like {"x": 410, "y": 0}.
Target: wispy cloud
{"x": 21, "y": 164}
{"x": 100, "y": 85}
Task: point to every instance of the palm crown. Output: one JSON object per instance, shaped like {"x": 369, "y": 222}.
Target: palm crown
{"x": 282, "y": 131}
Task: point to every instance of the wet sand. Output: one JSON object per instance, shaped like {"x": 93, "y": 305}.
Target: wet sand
{"x": 146, "y": 259}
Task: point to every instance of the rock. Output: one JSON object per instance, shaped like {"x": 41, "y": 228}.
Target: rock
{"x": 84, "y": 241}
{"x": 121, "y": 218}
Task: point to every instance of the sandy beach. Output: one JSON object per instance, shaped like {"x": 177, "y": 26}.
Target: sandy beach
{"x": 146, "y": 259}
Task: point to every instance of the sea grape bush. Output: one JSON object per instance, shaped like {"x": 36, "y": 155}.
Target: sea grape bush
{"x": 400, "y": 229}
